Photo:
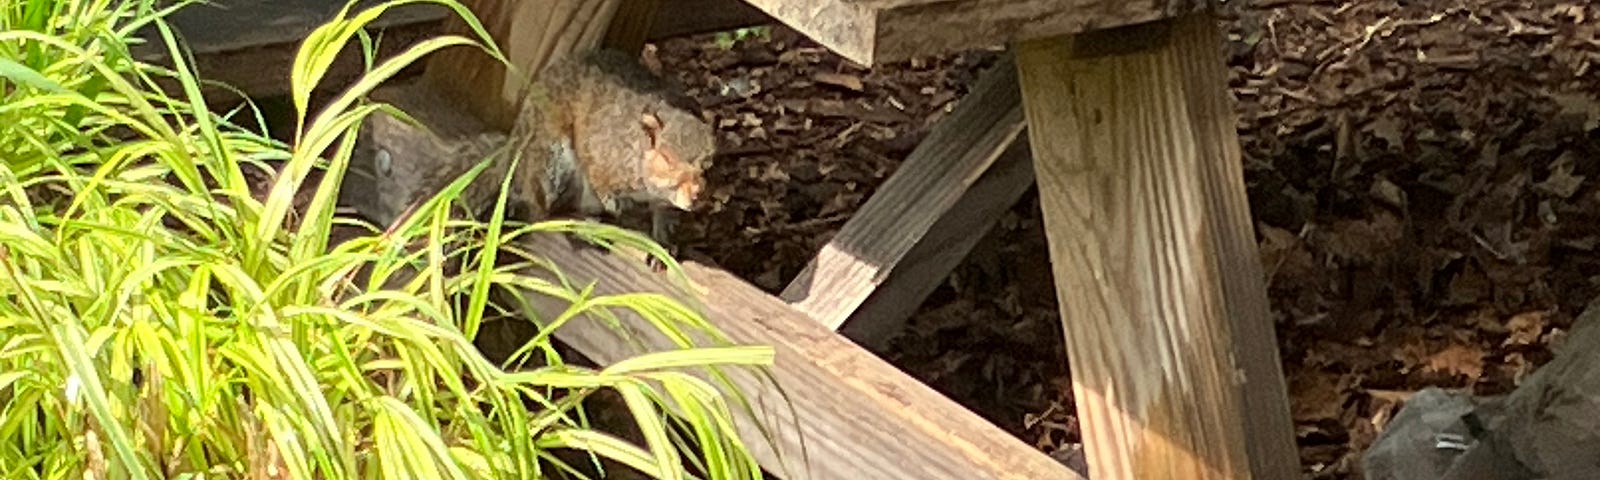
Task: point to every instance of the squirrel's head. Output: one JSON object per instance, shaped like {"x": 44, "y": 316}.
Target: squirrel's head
{"x": 681, "y": 147}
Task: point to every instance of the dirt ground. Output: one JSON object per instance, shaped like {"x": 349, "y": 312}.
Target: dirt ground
{"x": 1416, "y": 171}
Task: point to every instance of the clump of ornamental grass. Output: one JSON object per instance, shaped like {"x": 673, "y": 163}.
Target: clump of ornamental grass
{"x": 157, "y": 320}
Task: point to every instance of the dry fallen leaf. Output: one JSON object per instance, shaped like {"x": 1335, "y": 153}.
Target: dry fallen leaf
{"x": 851, "y": 82}
{"x": 1387, "y": 192}
{"x": 1561, "y": 182}
{"x": 1317, "y": 397}
{"x": 1283, "y": 253}
{"x": 1468, "y": 287}
{"x": 1526, "y": 327}
{"x": 1364, "y": 240}
{"x": 1458, "y": 359}
{"x": 1388, "y": 129}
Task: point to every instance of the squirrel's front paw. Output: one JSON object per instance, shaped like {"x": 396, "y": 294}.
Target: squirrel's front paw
{"x": 655, "y": 263}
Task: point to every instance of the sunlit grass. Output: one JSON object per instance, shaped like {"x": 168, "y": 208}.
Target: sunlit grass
{"x": 158, "y": 321}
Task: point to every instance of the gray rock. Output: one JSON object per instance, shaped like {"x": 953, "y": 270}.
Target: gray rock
{"x": 1546, "y": 429}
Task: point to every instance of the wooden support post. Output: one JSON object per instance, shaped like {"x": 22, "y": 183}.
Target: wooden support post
{"x": 923, "y": 220}
{"x": 858, "y": 416}
{"x": 1173, "y": 355}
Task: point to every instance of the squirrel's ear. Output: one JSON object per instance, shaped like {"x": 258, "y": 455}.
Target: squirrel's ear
{"x": 651, "y": 122}
{"x": 652, "y": 127}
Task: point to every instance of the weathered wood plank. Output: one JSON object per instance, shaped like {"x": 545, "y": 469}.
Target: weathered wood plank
{"x": 530, "y": 34}
{"x": 876, "y": 31}
{"x": 229, "y": 25}
{"x": 861, "y": 257}
{"x": 858, "y": 416}
{"x": 232, "y": 25}
{"x": 250, "y": 44}
{"x": 689, "y": 17}
{"x": 930, "y": 262}
{"x": 1174, "y": 358}
{"x": 630, "y": 28}
{"x": 848, "y": 30}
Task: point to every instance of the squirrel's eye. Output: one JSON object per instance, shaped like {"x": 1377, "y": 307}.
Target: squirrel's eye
{"x": 384, "y": 163}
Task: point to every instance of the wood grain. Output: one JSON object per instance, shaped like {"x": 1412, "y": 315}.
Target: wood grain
{"x": 904, "y": 210}
{"x": 255, "y": 59}
{"x": 949, "y": 240}
{"x": 228, "y": 25}
{"x": 858, "y": 416}
{"x": 531, "y": 34}
{"x": 876, "y": 31}
{"x": 250, "y": 44}
{"x": 848, "y": 30}
{"x": 1173, "y": 354}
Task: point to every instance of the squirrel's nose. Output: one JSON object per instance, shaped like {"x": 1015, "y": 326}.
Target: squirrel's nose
{"x": 686, "y": 196}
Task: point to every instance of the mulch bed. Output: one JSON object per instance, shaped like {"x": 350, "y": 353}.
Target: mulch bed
{"x": 1417, "y": 171}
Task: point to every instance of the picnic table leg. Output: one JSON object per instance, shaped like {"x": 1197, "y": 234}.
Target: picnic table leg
{"x": 1174, "y": 358}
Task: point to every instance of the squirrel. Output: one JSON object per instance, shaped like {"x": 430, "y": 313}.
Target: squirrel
{"x": 596, "y": 135}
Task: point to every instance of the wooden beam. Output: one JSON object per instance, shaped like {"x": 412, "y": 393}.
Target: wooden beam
{"x": 250, "y": 44}
{"x": 902, "y": 215}
{"x": 531, "y": 34}
{"x": 1174, "y": 358}
{"x": 876, "y": 31}
{"x": 678, "y": 18}
{"x": 231, "y": 25}
{"x": 947, "y": 244}
{"x": 234, "y": 25}
{"x": 858, "y": 416}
